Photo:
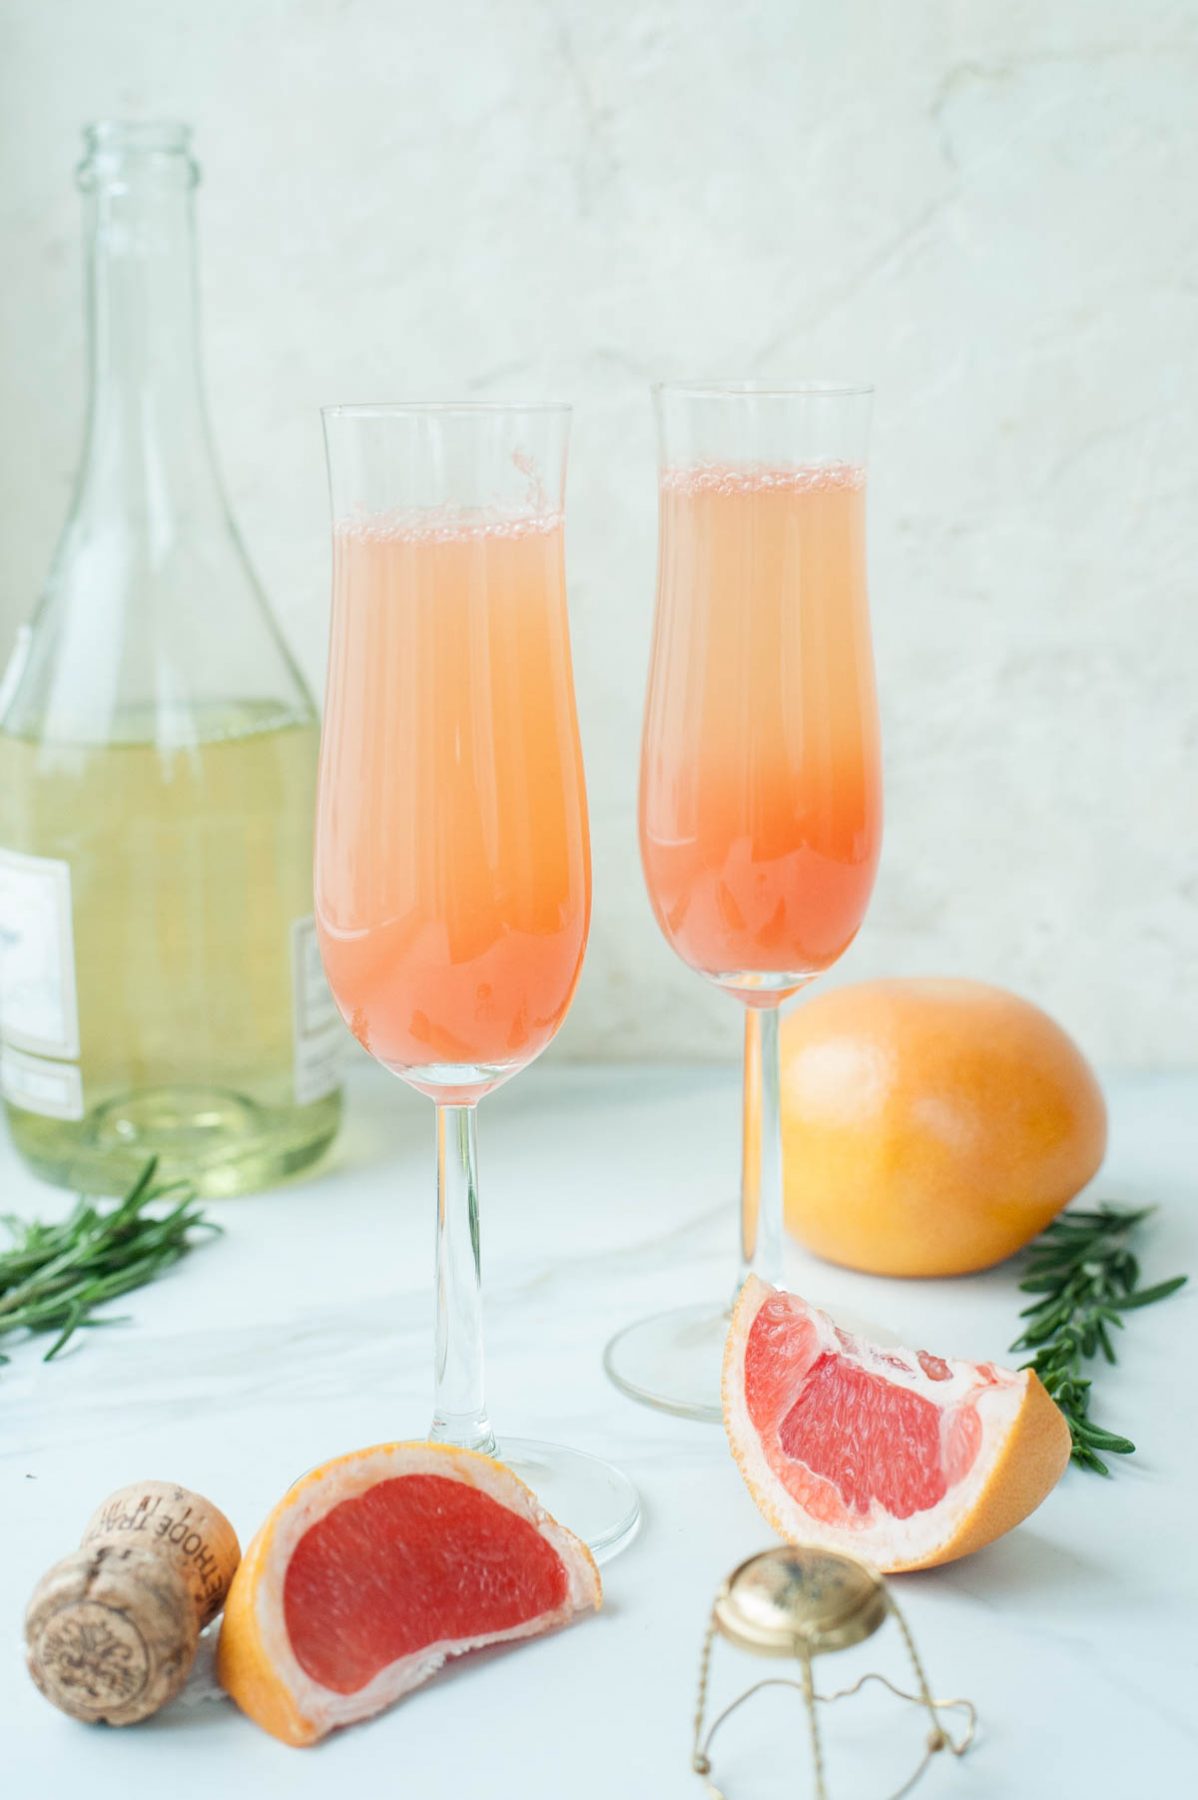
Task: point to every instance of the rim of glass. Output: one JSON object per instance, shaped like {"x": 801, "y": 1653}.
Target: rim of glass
{"x": 766, "y": 390}
{"x": 369, "y": 409}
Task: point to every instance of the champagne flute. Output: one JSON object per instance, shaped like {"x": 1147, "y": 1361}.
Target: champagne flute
{"x": 453, "y": 878}
{"x": 760, "y": 801}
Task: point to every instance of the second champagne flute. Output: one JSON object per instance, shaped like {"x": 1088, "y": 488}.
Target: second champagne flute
{"x": 761, "y": 792}
{"x": 453, "y": 878}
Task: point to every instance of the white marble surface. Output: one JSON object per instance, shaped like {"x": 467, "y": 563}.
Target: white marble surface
{"x": 984, "y": 206}
{"x": 606, "y": 1192}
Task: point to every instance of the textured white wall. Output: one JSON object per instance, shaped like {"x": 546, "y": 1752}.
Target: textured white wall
{"x": 988, "y": 209}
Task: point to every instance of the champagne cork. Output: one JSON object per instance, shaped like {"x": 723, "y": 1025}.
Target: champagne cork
{"x": 111, "y": 1631}
{"x": 183, "y": 1527}
{"x": 111, "y": 1635}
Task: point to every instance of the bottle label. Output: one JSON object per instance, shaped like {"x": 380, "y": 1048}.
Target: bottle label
{"x": 10, "y": 681}
{"x": 38, "y": 1085}
{"x": 39, "y": 1012}
{"x": 319, "y": 1033}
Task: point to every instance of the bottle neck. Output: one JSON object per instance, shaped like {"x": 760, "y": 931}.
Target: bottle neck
{"x": 147, "y": 445}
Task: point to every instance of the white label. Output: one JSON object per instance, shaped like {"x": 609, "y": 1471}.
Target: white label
{"x": 319, "y": 1034}
{"x": 38, "y": 1008}
{"x": 11, "y": 679}
{"x": 38, "y": 1085}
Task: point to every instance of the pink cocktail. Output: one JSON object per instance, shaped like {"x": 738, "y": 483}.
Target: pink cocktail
{"x": 761, "y": 786}
{"x": 453, "y": 886}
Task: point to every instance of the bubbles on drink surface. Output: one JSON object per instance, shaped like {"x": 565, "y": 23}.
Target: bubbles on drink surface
{"x": 757, "y": 478}
{"x": 444, "y": 525}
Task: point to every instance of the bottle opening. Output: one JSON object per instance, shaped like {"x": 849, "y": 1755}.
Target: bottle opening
{"x": 116, "y": 148}
{"x": 163, "y": 137}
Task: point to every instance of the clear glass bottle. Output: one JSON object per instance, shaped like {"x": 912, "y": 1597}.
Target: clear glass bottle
{"x": 160, "y": 987}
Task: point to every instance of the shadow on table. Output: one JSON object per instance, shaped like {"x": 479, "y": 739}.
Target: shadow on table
{"x": 1021, "y": 1566}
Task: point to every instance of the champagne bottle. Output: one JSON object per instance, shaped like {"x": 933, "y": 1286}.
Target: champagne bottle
{"x": 160, "y": 988}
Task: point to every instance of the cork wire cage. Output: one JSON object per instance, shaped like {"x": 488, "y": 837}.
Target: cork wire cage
{"x": 801, "y": 1602}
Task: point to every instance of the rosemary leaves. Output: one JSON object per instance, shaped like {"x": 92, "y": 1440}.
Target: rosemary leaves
{"x": 54, "y": 1277}
{"x": 1088, "y": 1278}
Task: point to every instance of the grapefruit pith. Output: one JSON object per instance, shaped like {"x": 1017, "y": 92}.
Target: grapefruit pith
{"x": 375, "y": 1568}
{"x": 899, "y": 1456}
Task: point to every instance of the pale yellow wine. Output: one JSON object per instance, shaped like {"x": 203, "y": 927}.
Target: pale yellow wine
{"x": 202, "y": 1033}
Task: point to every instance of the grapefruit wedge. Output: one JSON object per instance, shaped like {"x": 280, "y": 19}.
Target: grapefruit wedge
{"x": 374, "y": 1569}
{"x": 898, "y": 1456}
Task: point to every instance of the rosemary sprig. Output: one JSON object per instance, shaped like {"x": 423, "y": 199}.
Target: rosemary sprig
{"x": 1088, "y": 1278}
{"x": 54, "y": 1277}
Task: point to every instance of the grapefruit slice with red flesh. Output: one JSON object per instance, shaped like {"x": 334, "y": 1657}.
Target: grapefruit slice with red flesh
{"x": 898, "y": 1456}
{"x": 375, "y": 1568}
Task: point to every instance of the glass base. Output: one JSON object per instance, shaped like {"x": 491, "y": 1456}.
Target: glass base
{"x": 592, "y": 1498}
{"x": 674, "y": 1361}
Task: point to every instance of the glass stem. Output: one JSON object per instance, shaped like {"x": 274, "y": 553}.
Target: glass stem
{"x": 460, "y": 1407}
{"x": 761, "y": 1192}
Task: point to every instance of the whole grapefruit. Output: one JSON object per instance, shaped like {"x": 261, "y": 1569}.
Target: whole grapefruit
{"x": 931, "y": 1126}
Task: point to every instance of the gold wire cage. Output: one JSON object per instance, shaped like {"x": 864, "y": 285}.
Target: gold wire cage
{"x": 801, "y": 1602}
